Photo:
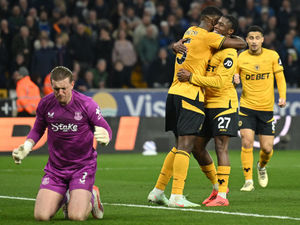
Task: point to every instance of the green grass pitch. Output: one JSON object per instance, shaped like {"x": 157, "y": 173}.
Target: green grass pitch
{"x": 126, "y": 179}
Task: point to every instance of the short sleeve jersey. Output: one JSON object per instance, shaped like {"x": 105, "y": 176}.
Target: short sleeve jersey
{"x": 257, "y": 76}
{"x": 200, "y": 45}
{"x": 223, "y": 63}
{"x": 70, "y": 130}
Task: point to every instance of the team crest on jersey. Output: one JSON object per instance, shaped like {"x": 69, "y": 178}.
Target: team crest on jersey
{"x": 240, "y": 123}
{"x": 98, "y": 113}
{"x": 50, "y": 115}
{"x": 256, "y": 67}
{"x": 78, "y": 116}
{"x": 45, "y": 180}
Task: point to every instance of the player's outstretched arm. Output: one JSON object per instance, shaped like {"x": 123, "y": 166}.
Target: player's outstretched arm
{"x": 22, "y": 151}
{"x": 234, "y": 42}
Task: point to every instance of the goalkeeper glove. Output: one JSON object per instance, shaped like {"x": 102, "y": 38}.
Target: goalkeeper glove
{"x": 101, "y": 135}
{"x": 22, "y": 151}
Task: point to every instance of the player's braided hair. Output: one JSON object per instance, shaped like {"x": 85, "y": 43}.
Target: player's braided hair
{"x": 61, "y": 73}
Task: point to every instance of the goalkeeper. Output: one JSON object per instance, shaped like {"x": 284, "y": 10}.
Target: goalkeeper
{"x": 73, "y": 120}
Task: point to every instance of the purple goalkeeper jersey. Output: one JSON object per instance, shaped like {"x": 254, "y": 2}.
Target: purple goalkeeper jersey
{"x": 70, "y": 130}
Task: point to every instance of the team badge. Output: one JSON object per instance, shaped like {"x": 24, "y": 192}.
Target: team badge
{"x": 228, "y": 63}
{"x": 78, "y": 116}
{"x": 50, "y": 115}
{"x": 45, "y": 180}
{"x": 256, "y": 67}
{"x": 240, "y": 123}
{"x": 98, "y": 113}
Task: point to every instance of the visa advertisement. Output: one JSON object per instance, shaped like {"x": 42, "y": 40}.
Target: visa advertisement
{"x": 151, "y": 103}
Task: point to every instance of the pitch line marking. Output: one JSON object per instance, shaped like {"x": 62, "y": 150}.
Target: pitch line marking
{"x": 180, "y": 209}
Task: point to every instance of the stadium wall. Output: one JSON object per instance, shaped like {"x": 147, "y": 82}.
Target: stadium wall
{"x": 130, "y": 134}
{"x": 137, "y": 116}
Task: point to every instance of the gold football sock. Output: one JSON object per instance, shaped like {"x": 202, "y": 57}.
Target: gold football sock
{"x": 210, "y": 172}
{"x": 166, "y": 170}
{"x": 247, "y": 162}
{"x": 180, "y": 169}
{"x": 223, "y": 178}
{"x": 264, "y": 158}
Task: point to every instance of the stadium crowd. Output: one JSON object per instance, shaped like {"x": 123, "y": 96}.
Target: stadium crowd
{"x": 127, "y": 43}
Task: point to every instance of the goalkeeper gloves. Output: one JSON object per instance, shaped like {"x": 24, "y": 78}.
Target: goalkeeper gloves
{"x": 101, "y": 135}
{"x": 22, "y": 151}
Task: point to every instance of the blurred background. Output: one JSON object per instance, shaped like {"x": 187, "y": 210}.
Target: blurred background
{"x": 120, "y": 54}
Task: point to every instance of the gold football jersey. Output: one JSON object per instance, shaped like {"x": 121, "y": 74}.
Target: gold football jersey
{"x": 222, "y": 63}
{"x": 200, "y": 45}
{"x": 257, "y": 77}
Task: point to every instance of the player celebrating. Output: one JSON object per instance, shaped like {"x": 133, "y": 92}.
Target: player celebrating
{"x": 221, "y": 121}
{"x": 257, "y": 68}
{"x": 73, "y": 120}
{"x": 185, "y": 106}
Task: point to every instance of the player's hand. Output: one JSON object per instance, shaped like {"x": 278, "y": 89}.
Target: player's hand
{"x": 236, "y": 79}
{"x": 281, "y": 103}
{"x": 179, "y": 47}
{"x": 20, "y": 153}
{"x": 101, "y": 135}
{"x": 183, "y": 75}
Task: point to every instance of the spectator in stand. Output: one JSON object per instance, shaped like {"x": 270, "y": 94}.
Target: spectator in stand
{"x": 117, "y": 13}
{"x": 101, "y": 8}
{"x": 175, "y": 28}
{"x": 17, "y": 62}
{"x": 243, "y": 27}
{"x": 80, "y": 46}
{"x": 3, "y": 63}
{"x": 62, "y": 55}
{"x": 131, "y": 19}
{"x": 284, "y": 14}
{"x": 161, "y": 70}
{"x": 100, "y": 74}
{"x": 140, "y": 30}
{"x": 4, "y": 9}
{"x": 44, "y": 60}
{"x": 21, "y": 43}
{"x": 182, "y": 21}
{"x": 92, "y": 25}
{"x": 290, "y": 59}
{"x": 16, "y": 20}
{"x": 147, "y": 51}
{"x": 193, "y": 14}
{"x": 296, "y": 39}
{"x": 165, "y": 38}
{"x": 33, "y": 27}
{"x": 119, "y": 77}
{"x": 124, "y": 52}
{"x": 104, "y": 46}
{"x": 5, "y": 33}
{"x": 43, "y": 22}
{"x": 160, "y": 15}
{"x": 123, "y": 25}
{"x": 28, "y": 93}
